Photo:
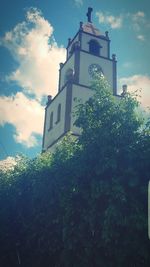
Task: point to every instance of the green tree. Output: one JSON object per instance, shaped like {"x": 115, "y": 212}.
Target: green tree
{"x": 85, "y": 204}
{"x": 116, "y": 151}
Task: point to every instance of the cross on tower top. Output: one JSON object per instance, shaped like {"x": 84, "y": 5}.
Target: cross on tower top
{"x": 90, "y": 9}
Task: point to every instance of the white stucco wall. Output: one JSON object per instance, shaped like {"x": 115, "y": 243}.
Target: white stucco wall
{"x": 82, "y": 94}
{"x": 88, "y": 59}
{"x": 53, "y": 147}
{"x": 75, "y": 40}
{"x": 68, "y": 65}
{"x": 58, "y": 128}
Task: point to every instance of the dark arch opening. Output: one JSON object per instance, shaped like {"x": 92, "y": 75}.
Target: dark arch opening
{"x": 94, "y": 47}
{"x": 58, "y": 113}
{"x": 51, "y": 121}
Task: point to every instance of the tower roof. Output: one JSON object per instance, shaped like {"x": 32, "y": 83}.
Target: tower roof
{"x": 90, "y": 28}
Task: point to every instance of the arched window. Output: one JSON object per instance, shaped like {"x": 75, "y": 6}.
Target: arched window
{"x": 68, "y": 75}
{"x": 58, "y": 113}
{"x": 51, "y": 121}
{"x": 94, "y": 47}
{"x": 74, "y": 46}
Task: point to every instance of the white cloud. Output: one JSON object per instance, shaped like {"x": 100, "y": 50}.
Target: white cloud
{"x": 138, "y": 15}
{"x": 113, "y": 21}
{"x": 127, "y": 64}
{"x": 78, "y": 3}
{"x": 139, "y": 82}
{"x": 139, "y": 24}
{"x": 141, "y": 37}
{"x": 25, "y": 114}
{"x": 32, "y": 45}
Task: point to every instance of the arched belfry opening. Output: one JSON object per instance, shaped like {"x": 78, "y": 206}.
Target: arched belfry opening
{"x": 68, "y": 75}
{"x": 94, "y": 47}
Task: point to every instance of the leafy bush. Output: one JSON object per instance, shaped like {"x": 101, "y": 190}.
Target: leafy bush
{"x": 86, "y": 204}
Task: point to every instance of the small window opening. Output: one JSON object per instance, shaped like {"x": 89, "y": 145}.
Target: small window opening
{"x": 51, "y": 122}
{"x": 58, "y": 113}
{"x": 94, "y": 48}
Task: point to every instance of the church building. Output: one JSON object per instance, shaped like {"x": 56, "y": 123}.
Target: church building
{"x": 87, "y": 53}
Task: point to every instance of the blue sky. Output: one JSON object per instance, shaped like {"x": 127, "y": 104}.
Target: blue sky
{"x": 33, "y": 37}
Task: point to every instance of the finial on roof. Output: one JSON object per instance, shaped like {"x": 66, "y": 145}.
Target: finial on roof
{"x": 69, "y": 41}
{"x": 49, "y": 99}
{"x": 81, "y": 25}
{"x": 106, "y": 34}
{"x": 90, "y": 9}
{"x": 114, "y": 57}
{"x": 124, "y": 88}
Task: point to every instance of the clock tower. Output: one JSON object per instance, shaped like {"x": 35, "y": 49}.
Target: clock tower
{"x": 86, "y": 54}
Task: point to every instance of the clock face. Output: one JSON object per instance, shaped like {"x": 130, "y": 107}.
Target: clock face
{"x": 95, "y": 69}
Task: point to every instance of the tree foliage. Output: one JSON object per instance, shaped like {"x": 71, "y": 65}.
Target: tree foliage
{"x": 86, "y": 204}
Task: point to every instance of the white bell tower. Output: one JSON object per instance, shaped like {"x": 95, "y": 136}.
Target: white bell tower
{"x": 87, "y": 53}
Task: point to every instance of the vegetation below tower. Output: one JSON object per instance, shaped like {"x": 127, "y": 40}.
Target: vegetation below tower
{"x": 86, "y": 204}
